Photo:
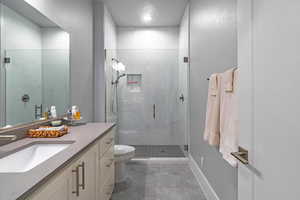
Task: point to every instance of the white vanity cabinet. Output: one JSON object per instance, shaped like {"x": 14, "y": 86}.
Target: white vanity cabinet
{"x": 89, "y": 176}
{"x": 57, "y": 188}
{"x": 106, "y": 167}
{"x": 83, "y": 175}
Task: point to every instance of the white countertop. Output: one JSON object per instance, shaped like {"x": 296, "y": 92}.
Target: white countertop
{"x": 14, "y": 185}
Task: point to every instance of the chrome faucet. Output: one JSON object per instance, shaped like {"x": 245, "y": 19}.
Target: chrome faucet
{"x": 8, "y": 137}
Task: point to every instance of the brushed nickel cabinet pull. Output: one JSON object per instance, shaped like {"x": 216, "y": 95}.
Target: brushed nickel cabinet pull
{"x": 241, "y": 155}
{"x": 76, "y": 171}
{"x": 82, "y": 165}
{"x": 154, "y": 111}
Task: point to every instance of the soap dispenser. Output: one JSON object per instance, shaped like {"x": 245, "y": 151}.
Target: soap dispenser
{"x": 53, "y": 112}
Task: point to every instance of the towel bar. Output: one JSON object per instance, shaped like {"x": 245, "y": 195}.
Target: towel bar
{"x": 241, "y": 155}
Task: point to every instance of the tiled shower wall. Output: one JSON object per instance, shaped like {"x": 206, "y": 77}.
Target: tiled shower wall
{"x": 151, "y": 59}
{"x": 158, "y": 72}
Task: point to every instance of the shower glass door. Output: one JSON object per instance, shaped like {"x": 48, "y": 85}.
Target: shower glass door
{"x": 23, "y": 86}
{"x": 148, "y": 98}
{"x": 111, "y": 107}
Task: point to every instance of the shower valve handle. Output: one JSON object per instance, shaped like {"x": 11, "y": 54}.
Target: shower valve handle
{"x": 181, "y": 98}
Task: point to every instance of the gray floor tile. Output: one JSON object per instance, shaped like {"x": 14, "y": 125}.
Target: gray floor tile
{"x": 160, "y": 181}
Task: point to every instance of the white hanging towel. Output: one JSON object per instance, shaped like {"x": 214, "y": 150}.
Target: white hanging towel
{"x": 212, "y": 123}
{"x": 229, "y": 123}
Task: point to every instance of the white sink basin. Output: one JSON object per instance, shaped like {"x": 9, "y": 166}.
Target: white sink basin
{"x": 29, "y": 157}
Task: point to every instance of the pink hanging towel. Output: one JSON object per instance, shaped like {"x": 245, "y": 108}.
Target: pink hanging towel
{"x": 229, "y": 123}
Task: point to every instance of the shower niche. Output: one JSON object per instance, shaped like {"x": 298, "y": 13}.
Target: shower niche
{"x": 134, "y": 82}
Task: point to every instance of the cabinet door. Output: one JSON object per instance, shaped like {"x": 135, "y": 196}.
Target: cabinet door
{"x": 107, "y": 165}
{"x": 107, "y": 189}
{"x": 56, "y": 189}
{"x": 106, "y": 174}
{"x": 106, "y": 142}
{"x": 87, "y": 174}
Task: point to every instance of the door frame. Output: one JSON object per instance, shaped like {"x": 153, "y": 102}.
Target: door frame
{"x": 246, "y": 96}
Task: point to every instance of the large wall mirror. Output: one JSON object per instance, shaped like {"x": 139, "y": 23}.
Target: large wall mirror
{"x": 35, "y": 67}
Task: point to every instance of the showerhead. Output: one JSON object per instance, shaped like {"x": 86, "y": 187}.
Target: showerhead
{"x": 118, "y": 79}
{"x": 117, "y": 65}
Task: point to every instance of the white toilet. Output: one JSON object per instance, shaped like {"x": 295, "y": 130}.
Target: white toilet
{"x": 122, "y": 154}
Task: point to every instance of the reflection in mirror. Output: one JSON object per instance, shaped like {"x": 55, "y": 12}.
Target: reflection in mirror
{"x": 35, "y": 65}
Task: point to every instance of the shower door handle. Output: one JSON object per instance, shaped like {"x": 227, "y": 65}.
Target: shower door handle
{"x": 154, "y": 111}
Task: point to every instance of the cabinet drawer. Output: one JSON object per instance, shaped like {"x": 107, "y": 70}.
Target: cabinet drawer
{"x": 107, "y": 189}
{"x": 106, "y": 142}
{"x": 107, "y": 165}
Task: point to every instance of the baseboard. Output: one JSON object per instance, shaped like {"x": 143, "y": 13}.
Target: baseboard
{"x": 202, "y": 180}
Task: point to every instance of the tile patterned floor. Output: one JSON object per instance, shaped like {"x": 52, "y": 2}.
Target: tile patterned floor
{"x": 160, "y": 180}
{"x": 146, "y": 151}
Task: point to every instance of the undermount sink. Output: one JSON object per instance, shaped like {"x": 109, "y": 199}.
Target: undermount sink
{"x": 30, "y": 156}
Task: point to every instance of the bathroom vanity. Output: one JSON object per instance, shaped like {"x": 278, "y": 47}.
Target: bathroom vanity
{"x": 84, "y": 169}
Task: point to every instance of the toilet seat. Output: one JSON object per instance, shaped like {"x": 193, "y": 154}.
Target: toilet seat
{"x": 123, "y": 152}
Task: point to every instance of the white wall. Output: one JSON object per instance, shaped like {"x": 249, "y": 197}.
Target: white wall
{"x": 56, "y": 69}
{"x": 184, "y": 33}
{"x": 76, "y": 17}
{"x": 269, "y": 62}
{"x": 110, "y": 31}
{"x": 99, "y": 62}
{"x": 148, "y": 38}
{"x": 213, "y": 48}
{"x": 55, "y": 38}
{"x": 105, "y": 37}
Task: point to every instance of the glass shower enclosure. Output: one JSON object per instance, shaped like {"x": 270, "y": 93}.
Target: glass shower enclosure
{"x": 146, "y": 102}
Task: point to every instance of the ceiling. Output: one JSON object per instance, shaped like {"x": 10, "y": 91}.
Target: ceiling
{"x": 146, "y": 12}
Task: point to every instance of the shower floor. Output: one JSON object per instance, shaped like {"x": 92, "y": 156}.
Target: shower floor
{"x": 158, "y": 151}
